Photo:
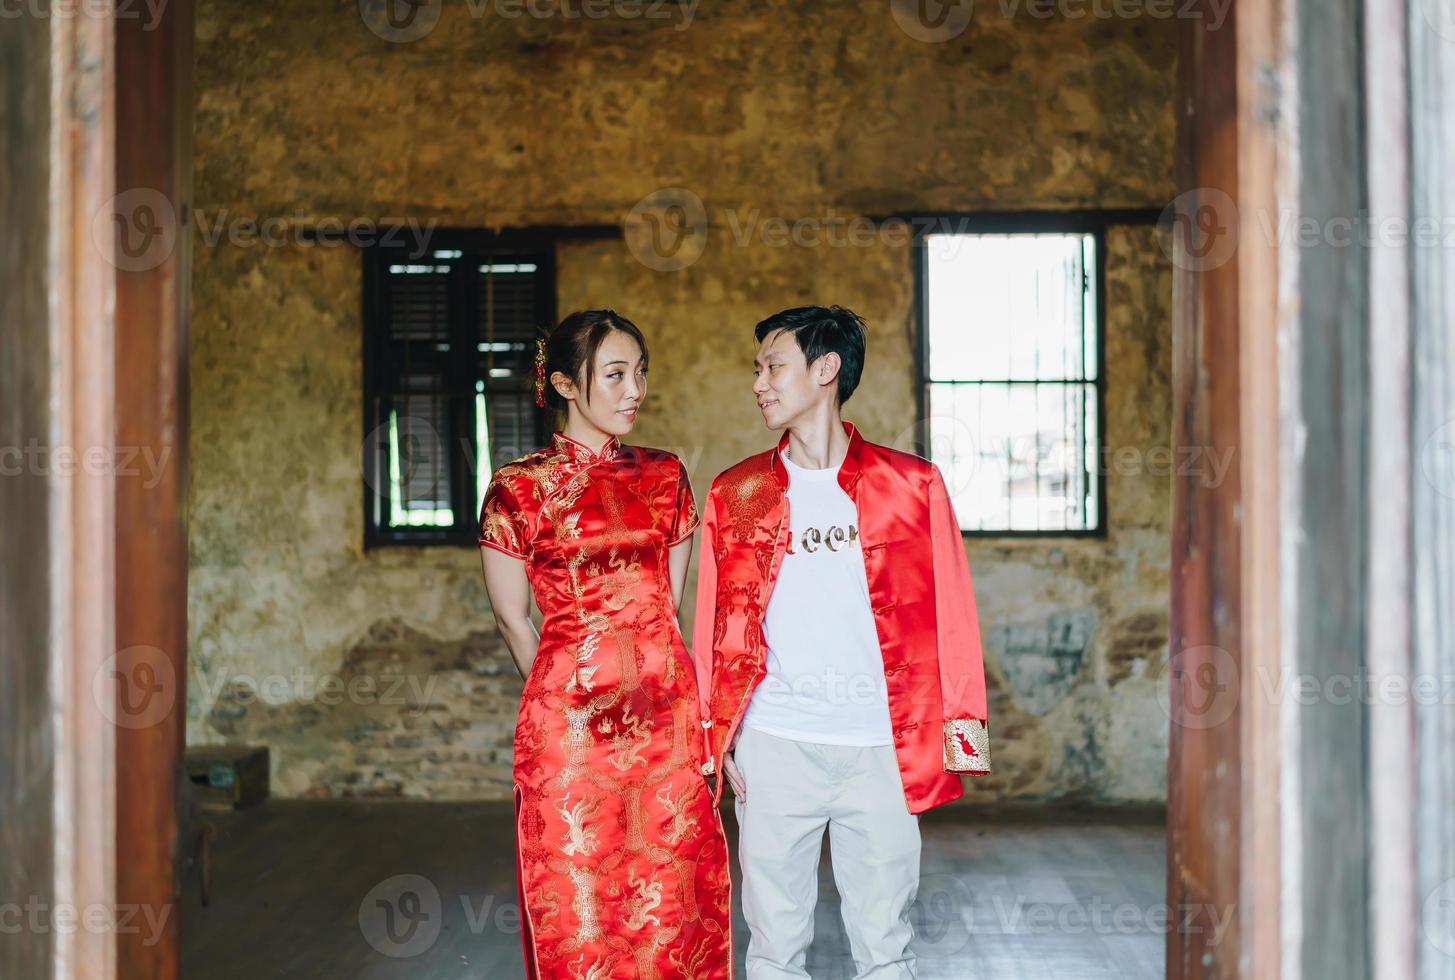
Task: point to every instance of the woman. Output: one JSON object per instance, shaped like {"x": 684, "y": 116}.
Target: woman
{"x": 622, "y": 861}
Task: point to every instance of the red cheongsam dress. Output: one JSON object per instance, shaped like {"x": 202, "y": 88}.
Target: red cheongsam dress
{"x": 622, "y": 860}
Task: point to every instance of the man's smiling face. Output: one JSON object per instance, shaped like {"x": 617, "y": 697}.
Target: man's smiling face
{"x": 785, "y": 384}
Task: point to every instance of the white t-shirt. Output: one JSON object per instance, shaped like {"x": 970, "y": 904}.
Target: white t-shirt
{"x": 825, "y": 680}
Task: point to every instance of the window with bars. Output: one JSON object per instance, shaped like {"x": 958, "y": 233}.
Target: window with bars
{"x": 449, "y": 381}
{"x": 1012, "y": 372}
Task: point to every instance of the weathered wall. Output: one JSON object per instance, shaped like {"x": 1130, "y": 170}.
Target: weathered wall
{"x": 761, "y": 110}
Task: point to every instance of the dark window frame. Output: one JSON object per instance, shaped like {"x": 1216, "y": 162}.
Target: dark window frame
{"x": 1074, "y": 222}
{"x": 525, "y": 245}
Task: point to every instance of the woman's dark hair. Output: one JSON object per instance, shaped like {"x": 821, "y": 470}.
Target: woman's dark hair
{"x": 822, "y": 330}
{"x": 572, "y": 346}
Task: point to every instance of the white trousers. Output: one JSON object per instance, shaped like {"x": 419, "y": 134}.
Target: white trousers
{"x": 795, "y": 790}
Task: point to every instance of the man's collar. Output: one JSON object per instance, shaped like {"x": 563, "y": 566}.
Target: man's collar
{"x": 848, "y": 470}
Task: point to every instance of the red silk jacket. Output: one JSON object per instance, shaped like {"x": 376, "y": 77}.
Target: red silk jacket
{"x": 919, "y": 589}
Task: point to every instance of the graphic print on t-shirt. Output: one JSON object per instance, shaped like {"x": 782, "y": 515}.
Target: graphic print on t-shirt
{"x": 833, "y": 537}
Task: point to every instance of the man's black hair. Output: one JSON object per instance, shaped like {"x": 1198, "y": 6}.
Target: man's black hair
{"x": 821, "y": 330}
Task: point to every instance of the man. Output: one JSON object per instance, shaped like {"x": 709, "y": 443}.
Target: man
{"x": 838, "y": 655}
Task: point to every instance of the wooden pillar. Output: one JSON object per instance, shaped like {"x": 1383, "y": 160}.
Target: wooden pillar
{"x": 93, "y": 558}
{"x": 1204, "y": 830}
{"x": 152, "y": 219}
{"x": 57, "y": 412}
{"x": 1264, "y": 189}
{"x": 1325, "y": 525}
{"x": 27, "y": 736}
{"x": 1342, "y": 534}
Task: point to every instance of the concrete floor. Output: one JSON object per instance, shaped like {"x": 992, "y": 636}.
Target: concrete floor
{"x": 426, "y": 891}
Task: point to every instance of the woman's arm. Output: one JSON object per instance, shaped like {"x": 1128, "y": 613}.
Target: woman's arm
{"x": 509, "y": 591}
{"x": 678, "y": 558}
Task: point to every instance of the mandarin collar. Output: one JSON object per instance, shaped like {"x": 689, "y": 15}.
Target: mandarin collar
{"x": 848, "y": 470}
{"x": 579, "y": 452}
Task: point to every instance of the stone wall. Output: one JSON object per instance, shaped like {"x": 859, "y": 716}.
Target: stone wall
{"x": 379, "y": 673}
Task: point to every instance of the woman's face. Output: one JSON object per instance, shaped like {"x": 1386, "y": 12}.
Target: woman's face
{"x": 618, "y": 385}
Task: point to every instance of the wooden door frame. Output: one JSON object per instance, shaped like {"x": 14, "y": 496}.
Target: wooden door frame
{"x": 1209, "y": 654}
{"x": 153, "y": 288}
{"x": 1260, "y": 597}
{"x": 119, "y": 118}
{"x": 1332, "y": 558}
{"x": 1255, "y": 104}
{"x": 83, "y": 512}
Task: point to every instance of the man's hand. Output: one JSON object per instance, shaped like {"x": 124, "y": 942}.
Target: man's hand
{"x": 735, "y": 778}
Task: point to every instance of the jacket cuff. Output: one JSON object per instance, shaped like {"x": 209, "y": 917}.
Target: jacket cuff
{"x": 967, "y": 746}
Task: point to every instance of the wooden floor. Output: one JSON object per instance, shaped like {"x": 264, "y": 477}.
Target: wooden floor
{"x": 426, "y": 891}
